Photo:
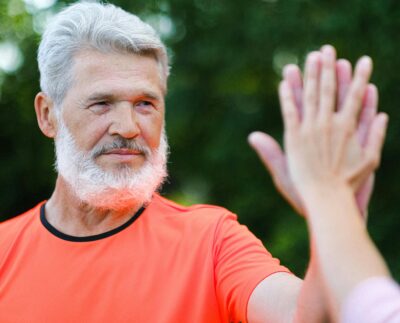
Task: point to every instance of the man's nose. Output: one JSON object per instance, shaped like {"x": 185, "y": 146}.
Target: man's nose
{"x": 124, "y": 121}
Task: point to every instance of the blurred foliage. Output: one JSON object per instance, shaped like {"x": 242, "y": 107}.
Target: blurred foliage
{"x": 227, "y": 58}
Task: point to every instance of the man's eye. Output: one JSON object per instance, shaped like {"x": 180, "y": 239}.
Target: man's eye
{"x": 145, "y": 106}
{"x": 100, "y": 106}
{"x": 144, "y": 103}
{"x": 101, "y": 103}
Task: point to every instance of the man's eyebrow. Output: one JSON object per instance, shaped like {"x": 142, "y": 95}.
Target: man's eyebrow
{"x": 111, "y": 97}
{"x": 100, "y": 96}
{"x": 150, "y": 95}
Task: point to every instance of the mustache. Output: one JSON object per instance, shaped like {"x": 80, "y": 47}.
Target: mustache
{"x": 121, "y": 143}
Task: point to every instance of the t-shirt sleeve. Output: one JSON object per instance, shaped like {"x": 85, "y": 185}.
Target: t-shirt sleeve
{"x": 241, "y": 263}
{"x": 375, "y": 300}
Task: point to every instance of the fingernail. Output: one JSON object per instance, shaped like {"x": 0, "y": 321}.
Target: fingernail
{"x": 365, "y": 61}
{"x": 385, "y": 118}
{"x": 313, "y": 57}
{"x": 253, "y": 137}
{"x": 328, "y": 50}
{"x": 288, "y": 69}
{"x": 344, "y": 62}
{"x": 285, "y": 70}
{"x": 283, "y": 86}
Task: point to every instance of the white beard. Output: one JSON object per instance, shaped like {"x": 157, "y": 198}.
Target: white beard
{"x": 120, "y": 189}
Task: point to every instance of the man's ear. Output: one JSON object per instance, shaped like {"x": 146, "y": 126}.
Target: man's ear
{"x": 46, "y": 115}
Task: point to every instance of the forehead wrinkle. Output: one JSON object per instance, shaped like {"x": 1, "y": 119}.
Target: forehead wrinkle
{"x": 99, "y": 65}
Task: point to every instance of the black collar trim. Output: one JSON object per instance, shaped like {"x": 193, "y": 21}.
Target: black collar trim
{"x": 103, "y": 235}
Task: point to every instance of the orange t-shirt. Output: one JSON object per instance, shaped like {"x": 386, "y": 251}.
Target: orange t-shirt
{"x": 167, "y": 264}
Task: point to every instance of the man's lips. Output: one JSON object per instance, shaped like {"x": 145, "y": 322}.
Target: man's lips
{"x": 124, "y": 155}
{"x": 123, "y": 151}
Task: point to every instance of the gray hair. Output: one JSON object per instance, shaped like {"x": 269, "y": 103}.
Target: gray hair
{"x": 89, "y": 25}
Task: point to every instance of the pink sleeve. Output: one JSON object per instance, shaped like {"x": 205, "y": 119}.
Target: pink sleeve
{"x": 375, "y": 300}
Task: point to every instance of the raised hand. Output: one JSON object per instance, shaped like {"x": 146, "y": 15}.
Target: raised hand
{"x": 275, "y": 160}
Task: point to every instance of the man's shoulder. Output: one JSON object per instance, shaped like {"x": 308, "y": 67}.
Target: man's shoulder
{"x": 200, "y": 222}
{"x": 11, "y": 227}
{"x": 205, "y": 212}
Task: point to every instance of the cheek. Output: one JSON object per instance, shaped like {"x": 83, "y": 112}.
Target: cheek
{"x": 151, "y": 131}
{"x": 89, "y": 134}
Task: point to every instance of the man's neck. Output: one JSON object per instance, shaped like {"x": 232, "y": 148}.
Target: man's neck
{"x": 69, "y": 215}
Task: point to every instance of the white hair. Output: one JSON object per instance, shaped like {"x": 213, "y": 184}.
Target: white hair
{"x": 90, "y": 25}
{"x": 120, "y": 189}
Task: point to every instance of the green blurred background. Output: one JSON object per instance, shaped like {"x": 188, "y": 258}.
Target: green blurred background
{"x": 227, "y": 58}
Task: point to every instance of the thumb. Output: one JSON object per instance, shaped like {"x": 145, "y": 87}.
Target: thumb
{"x": 269, "y": 152}
{"x": 274, "y": 160}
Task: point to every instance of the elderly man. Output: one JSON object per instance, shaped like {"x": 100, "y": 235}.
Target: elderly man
{"x": 105, "y": 247}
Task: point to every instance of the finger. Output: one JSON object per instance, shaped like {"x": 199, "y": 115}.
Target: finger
{"x": 268, "y": 150}
{"x": 289, "y": 111}
{"x": 343, "y": 74}
{"x": 376, "y": 137}
{"x": 353, "y": 100}
{"x": 311, "y": 85}
{"x": 327, "y": 95}
{"x": 292, "y": 74}
{"x": 372, "y": 150}
{"x": 367, "y": 114}
{"x": 274, "y": 160}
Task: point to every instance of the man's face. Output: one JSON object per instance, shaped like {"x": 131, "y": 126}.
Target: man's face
{"x": 115, "y": 96}
{"x": 110, "y": 144}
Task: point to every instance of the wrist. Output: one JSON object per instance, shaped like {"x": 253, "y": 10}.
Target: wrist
{"x": 325, "y": 188}
{"x": 325, "y": 195}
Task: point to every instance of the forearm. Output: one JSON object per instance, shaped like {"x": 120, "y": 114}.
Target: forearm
{"x": 342, "y": 246}
{"x": 312, "y": 305}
